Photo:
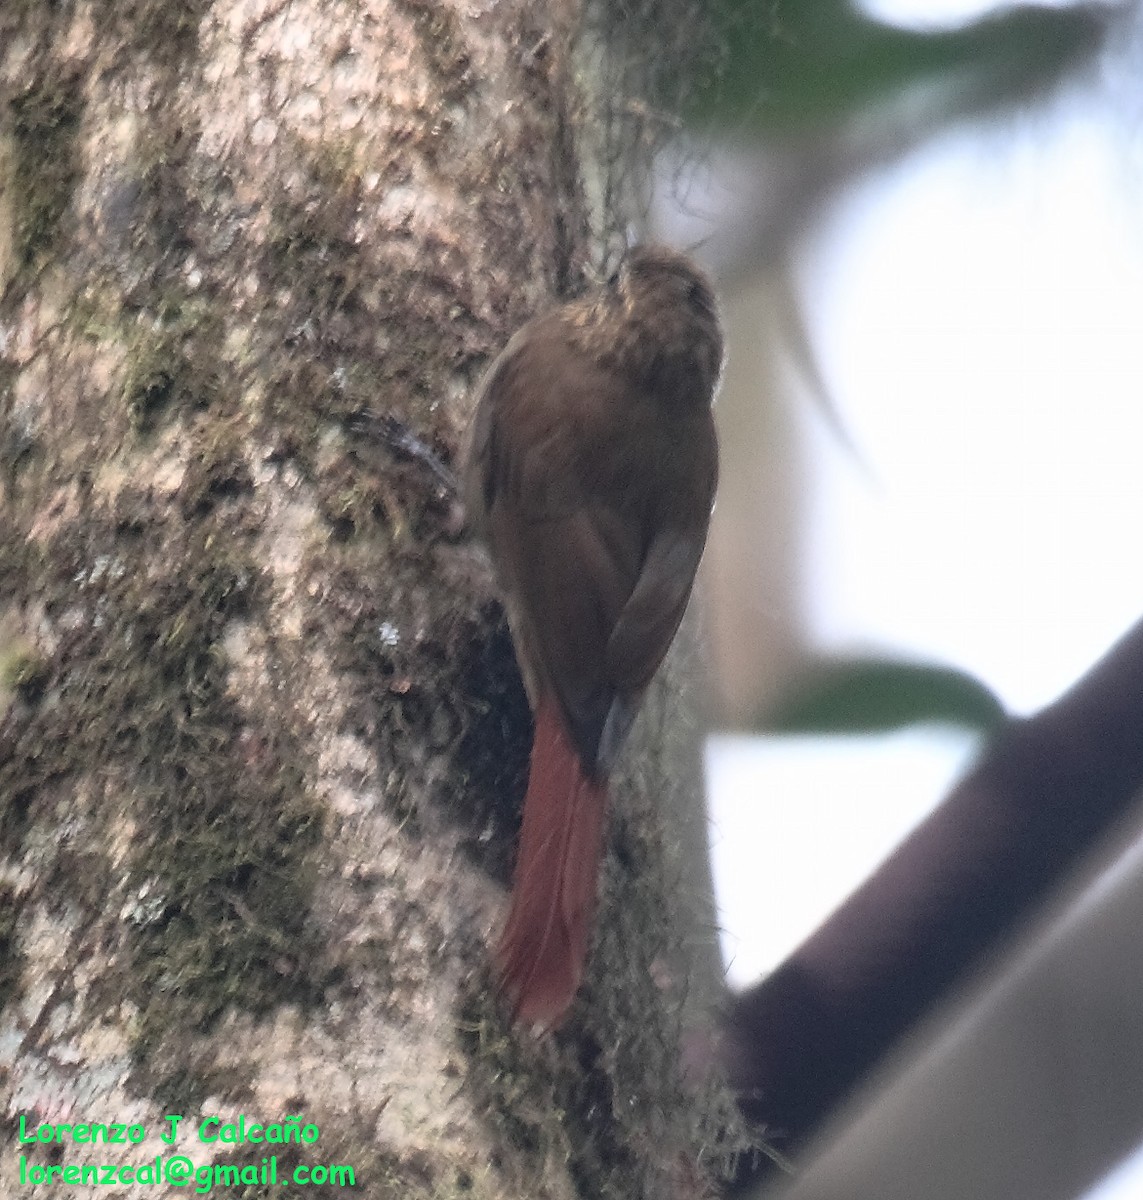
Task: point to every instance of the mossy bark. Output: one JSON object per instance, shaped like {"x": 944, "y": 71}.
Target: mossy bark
{"x": 262, "y": 740}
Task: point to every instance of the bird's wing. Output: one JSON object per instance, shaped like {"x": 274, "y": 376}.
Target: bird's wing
{"x": 569, "y": 577}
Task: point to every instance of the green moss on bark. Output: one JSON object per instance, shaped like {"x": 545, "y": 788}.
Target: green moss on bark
{"x": 216, "y": 886}
{"x": 44, "y": 167}
{"x": 172, "y": 365}
{"x": 10, "y": 958}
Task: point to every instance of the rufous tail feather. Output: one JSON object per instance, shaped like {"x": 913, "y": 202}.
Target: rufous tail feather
{"x": 544, "y": 945}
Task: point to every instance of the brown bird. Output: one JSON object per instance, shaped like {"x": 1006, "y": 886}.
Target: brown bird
{"x": 590, "y": 475}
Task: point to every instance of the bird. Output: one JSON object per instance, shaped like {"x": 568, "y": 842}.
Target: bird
{"x": 590, "y": 476}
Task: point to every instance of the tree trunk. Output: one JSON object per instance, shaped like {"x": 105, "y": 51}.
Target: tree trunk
{"x": 262, "y": 739}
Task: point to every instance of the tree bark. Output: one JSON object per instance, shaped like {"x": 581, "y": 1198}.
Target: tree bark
{"x": 262, "y": 739}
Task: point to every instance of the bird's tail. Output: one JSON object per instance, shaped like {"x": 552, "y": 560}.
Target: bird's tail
{"x": 544, "y": 945}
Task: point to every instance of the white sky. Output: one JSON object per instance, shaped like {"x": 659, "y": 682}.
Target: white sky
{"x": 978, "y": 312}
{"x": 938, "y": 13}
{"x": 980, "y": 322}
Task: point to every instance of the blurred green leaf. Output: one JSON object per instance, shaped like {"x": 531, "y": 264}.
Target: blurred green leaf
{"x": 878, "y": 695}
{"x": 801, "y": 63}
